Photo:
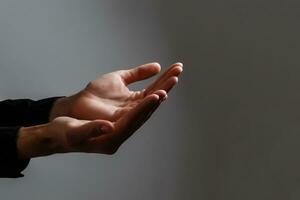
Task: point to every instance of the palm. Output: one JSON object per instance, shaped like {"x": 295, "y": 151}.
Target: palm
{"x": 108, "y": 97}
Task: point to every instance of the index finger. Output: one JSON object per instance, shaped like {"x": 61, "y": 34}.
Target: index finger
{"x": 139, "y": 73}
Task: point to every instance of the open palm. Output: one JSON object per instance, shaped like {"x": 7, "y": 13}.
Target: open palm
{"x": 109, "y": 98}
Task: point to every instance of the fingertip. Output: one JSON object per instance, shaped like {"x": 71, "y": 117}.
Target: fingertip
{"x": 155, "y": 67}
{"x": 178, "y": 70}
{"x": 174, "y": 80}
{"x": 154, "y": 97}
{"x": 179, "y": 64}
{"x": 161, "y": 93}
{"x": 105, "y": 129}
{"x": 175, "y": 71}
{"x": 171, "y": 83}
{"x": 165, "y": 98}
{"x": 155, "y": 63}
{"x": 105, "y": 126}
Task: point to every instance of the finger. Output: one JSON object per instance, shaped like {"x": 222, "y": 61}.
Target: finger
{"x": 140, "y": 73}
{"x": 127, "y": 125}
{"x": 161, "y": 93}
{"x": 141, "y": 94}
{"x": 169, "y": 84}
{"x": 173, "y": 70}
{"x": 89, "y": 130}
{"x": 162, "y": 97}
{"x": 173, "y": 73}
{"x": 134, "y": 119}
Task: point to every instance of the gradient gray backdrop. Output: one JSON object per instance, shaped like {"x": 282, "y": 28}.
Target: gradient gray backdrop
{"x": 230, "y": 130}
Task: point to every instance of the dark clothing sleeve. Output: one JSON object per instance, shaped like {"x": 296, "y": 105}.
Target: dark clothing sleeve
{"x": 13, "y": 115}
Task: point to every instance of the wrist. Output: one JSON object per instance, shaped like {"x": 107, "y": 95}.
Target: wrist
{"x": 60, "y": 107}
{"x": 35, "y": 141}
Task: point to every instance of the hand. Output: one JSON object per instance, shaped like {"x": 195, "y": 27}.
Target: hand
{"x": 108, "y": 97}
{"x": 65, "y": 134}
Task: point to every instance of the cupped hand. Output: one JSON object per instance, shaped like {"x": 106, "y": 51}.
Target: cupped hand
{"x": 102, "y": 116}
{"x": 99, "y": 136}
{"x": 109, "y": 98}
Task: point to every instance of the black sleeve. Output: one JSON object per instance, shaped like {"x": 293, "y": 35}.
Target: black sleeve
{"x": 13, "y": 115}
{"x": 10, "y": 166}
{"x": 25, "y": 112}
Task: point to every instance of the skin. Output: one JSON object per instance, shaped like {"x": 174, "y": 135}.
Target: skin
{"x": 100, "y": 117}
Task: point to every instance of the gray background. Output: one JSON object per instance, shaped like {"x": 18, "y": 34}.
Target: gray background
{"x": 230, "y": 130}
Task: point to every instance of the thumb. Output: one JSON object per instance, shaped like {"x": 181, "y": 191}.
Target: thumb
{"x": 88, "y": 130}
{"x": 140, "y": 73}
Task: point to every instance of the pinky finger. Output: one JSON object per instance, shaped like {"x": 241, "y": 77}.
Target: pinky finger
{"x": 134, "y": 119}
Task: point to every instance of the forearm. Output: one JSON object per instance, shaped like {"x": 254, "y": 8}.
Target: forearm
{"x": 35, "y": 141}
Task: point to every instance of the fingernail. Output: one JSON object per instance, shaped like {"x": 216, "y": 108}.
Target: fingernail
{"x": 179, "y": 63}
{"x": 163, "y": 98}
{"x": 105, "y": 129}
